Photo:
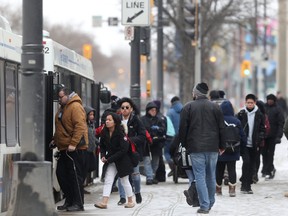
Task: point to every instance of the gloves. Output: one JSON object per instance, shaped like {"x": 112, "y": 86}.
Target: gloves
{"x": 154, "y": 127}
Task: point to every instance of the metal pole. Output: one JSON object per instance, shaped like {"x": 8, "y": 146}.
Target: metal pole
{"x": 265, "y": 55}
{"x": 198, "y": 46}
{"x": 32, "y": 186}
{"x": 160, "y": 53}
{"x": 254, "y": 74}
{"x": 135, "y": 68}
{"x": 281, "y": 76}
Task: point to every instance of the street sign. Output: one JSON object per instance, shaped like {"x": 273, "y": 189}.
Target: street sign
{"x": 96, "y": 21}
{"x": 136, "y": 12}
{"x": 129, "y": 33}
{"x": 112, "y": 21}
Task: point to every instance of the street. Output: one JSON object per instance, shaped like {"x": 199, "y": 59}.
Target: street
{"x": 167, "y": 198}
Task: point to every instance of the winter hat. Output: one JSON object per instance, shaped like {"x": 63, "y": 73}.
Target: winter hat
{"x": 175, "y": 98}
{"x": 201, "y": 89}
{"x": 271, "y": 97}
{"x": 115, "y": 102}
{"x": 158, "y": 104}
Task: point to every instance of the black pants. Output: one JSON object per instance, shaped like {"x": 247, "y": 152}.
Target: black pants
{"x": 249, "y": 157}
{"x": 71, "y": 174}
{"x": 268, "y": 156}
{"x": 231, "y": 168}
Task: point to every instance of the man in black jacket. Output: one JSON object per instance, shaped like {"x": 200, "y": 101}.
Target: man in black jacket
{"x": 253, "y": 123}
{"x": 276, "y": 120}
{"x": 201, "y": 126}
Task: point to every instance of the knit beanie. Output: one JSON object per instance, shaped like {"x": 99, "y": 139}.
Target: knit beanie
{"x": 201, "y": 89}
{"x": 271, "y": 97}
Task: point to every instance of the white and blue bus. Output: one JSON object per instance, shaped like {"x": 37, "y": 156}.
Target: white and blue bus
{"x": 61, "y": 66}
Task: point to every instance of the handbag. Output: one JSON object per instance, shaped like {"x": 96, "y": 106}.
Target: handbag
{"x": 183, "y": 158}
{"x": 133, "y": 154}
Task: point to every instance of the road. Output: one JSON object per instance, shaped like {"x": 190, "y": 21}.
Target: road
{"x": 167, "y": 199}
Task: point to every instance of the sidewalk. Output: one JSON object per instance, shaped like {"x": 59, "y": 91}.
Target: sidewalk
{"x": 167, "y": 199}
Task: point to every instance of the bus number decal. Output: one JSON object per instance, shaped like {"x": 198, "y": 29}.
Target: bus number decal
{"x": 46, "y": 50}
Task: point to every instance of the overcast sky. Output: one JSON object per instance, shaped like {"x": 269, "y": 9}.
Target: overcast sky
{"x": 80, "y": 13}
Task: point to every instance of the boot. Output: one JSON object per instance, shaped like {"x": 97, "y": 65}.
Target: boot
{"x": 103, "y": 203}
{"x": 130, "y": 203}
{"x": 218, "y": 190}
{"x": 195, "y": 199}
{"x": 232, "y": 188}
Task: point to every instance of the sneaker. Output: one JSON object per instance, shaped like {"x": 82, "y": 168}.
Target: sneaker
{"x": 149, "y": 182}
{"x": 268, "y": 177}
{"x": 202, "y": 211}
{"x": 122, "y": 201}
{"x": 171, "y": 173}
{"x": 129, "y": 205}
{"x": 138, "y": 198}
{"x": 155, "y": 181}
{"x": 188, "y": 198}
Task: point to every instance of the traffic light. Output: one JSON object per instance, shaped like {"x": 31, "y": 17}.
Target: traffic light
{"x": 87, "y": 51}
{"x": 191, "y": 17}
{"x": 245, "y": 68}
{"x": 145, "y": 41}
{"x": 148, "y": 88}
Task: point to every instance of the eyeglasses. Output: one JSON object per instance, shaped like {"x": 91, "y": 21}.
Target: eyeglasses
{"x": 125, "y": 107}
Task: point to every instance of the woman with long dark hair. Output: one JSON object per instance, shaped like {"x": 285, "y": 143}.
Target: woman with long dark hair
{"x": 114, "y": 151}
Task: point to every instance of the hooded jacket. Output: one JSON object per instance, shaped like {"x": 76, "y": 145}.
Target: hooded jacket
{"x": 229, "y": 117}
{"x": 174, "y": 114}
{"x": 91, "y": 130}
{"x": 74, "y": 121}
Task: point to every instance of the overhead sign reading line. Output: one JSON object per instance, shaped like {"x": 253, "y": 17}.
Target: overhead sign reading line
{"x": 136, "y": 12}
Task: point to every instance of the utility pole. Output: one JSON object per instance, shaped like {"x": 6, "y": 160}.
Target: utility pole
{"x": 135, "y": 91}
{"x": 281, "y": 76}
{"x": 198, "y": 43}
{"x": 32, "y": 179}
{"x": 160, "y": 52}
{"x": 254, "y": 74}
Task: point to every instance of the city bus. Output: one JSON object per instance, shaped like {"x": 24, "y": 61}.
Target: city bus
{"x": 62, "y": 67}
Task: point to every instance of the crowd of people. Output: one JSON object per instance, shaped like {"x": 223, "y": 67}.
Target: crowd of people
{"x": 199, "y": 127}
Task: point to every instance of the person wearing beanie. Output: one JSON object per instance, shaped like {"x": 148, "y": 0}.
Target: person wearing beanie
{"x": 253, "y": 123}
{"x": 201, "y": 126}
{"x": 276, "y": 120}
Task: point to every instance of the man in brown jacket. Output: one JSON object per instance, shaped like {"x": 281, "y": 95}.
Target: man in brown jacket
{"x": 71, "y": 139}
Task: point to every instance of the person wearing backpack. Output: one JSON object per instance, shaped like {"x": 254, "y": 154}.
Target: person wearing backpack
{"x": 253, "y": 123}
{"x": 230, "y": 156}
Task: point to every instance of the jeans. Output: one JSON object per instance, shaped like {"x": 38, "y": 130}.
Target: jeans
{"x": 204, "y": 169}
{"x": 167, "y": 145}
{"x": 135, "y": 180}
{"x": 190, "y": 175}
{"x": 148, "y": 168}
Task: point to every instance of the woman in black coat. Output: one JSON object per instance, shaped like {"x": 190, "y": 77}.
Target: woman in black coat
{"x": 115, "y": 151}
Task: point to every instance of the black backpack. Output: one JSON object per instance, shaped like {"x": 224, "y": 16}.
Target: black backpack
{"x": 231, "y": 138}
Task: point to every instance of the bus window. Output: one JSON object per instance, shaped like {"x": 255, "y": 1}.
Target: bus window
{"x": 11, "y": 104}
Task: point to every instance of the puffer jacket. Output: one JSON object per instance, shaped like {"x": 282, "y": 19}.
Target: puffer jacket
{"x": 74, "y": 120}
{"x": 201, "y": 126}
